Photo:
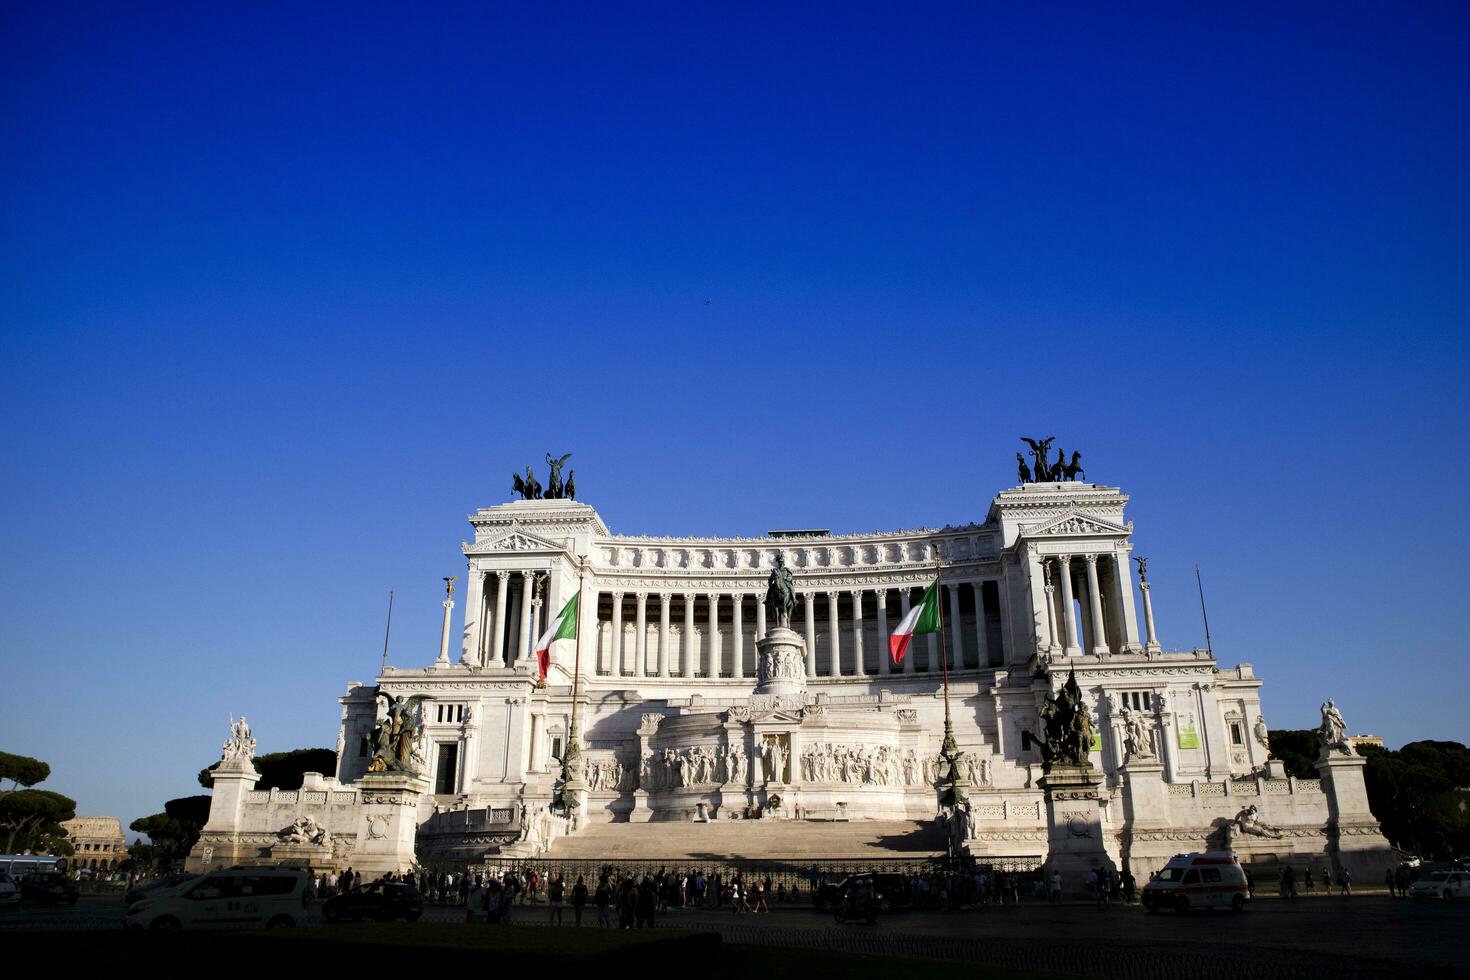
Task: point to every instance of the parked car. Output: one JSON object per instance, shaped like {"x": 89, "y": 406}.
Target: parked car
{"x": 49, "y": 888}
{"x": 157, "y": 887}
{"x": 1446, "y": 885}
{"x": 275, "y": 898}
{"x": 383, "y": 901}
{"x": 1205, "y": 879}
{"x": 891, "y": 891}
{"x": 9, "y": 890}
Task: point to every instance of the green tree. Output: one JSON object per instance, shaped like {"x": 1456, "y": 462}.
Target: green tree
{"x": 175, "y": 831}
{"x": 22, "y": 770}
{"x": 1420, "y": 794}
{"x": 31, "y": 821}
{"x": 1297, "y": 750}
{"x": 283, "y": 770}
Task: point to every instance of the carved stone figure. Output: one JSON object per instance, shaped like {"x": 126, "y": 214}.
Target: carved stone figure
{"x": 780, "y": 593}
{"x": 1138, "y": 741}
{"x": 1332, "y": 734}
{"x": 241, "y": 743}
{"x": 1262, "y": 733}
{"x": 1248, "y": 821}
{"x": 1142, "y": 568}
{"x": 305, "y": 830}
{"x": 394, "y": 740}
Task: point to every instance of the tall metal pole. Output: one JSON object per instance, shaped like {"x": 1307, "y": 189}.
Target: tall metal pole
{"x": 577, "y": 654}
{"x": 389, "y": 628}
{"x": 1208, "y": 645}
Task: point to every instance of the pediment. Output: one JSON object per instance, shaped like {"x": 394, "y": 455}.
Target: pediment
{"x": 1076, "y": 525}
{"x": 515, "y": 539}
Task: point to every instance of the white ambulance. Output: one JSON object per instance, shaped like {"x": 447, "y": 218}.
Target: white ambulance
{"x": 1203, "y": 880}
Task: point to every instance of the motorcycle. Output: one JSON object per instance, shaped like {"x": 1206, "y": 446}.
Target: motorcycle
{"x": 854, "y": 908}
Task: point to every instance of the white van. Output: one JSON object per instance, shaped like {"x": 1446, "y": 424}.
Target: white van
{"x": 1207, "y": 879}
{"x": 276, "y": 898}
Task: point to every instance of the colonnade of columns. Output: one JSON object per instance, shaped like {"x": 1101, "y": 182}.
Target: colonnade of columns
{"x": 682, "y": 643}
{"x": 1106, "y": 623}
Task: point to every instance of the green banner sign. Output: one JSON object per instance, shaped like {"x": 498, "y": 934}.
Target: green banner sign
{"x": 1188, "y": 736}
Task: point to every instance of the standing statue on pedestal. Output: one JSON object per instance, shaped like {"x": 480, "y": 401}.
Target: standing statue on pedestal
{"x": 241, "y": 743}
{"x": 780, "y": 598}
{"x": 1332, "y": 734}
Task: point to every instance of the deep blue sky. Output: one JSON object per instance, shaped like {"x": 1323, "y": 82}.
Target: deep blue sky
{"x": 286, "y": 291}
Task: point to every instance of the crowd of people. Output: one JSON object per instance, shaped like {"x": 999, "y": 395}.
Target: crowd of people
{"x": 1286, "y": 882}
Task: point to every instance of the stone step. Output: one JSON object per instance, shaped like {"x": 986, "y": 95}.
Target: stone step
{"x": 744, "y": 840}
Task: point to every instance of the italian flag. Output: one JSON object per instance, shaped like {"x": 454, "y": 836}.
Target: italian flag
{"x": 563, "y": 627}
{"x": 923, "y": 618}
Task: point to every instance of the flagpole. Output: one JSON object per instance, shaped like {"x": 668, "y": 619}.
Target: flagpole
{"x": 948, "y": 750}
{"x": 577, "y": 654}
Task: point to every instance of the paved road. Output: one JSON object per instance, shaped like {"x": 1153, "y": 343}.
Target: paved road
{"x": 1359, "y": 936}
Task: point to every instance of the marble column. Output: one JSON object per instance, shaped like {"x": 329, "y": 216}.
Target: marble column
{"x": 956, "y": 635}
{"x": 738, "y": 638}
{"x": 1038, "y": 580}
{"x": 712, "y": 655}
{"x": 663, "y": 634}
{"x": 858, "y": 670}
{"x": 615, "y": 646}
{"x": 497, "y": 648}
{"x": 834, "y": 669}
{"x": 982, "y": 642}
{"x": 809, "y": 599}
{"x": 885, "y": 662}
{"x": 1069, "y": 618}
{"x": 760, "y": 617}
{"x": 523, "y": 634}
{"x": 905, "y": 604}
{"x": 474, "y": 603}
{"x": 1168, "y": 739}
{"x": 687, "y": 651}
{"x": 640, "y": 639}
{"x": 1099, "y": 628}
{"x": 1124, "y": 587}
{"x": 1152, "y": 646}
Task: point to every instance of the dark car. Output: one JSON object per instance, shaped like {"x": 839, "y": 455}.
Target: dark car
{"x": 891, "y": 890}
{"x": 155, "y": 888}
{"x": 383, "y": 901}
{"x": 49, "y": 887}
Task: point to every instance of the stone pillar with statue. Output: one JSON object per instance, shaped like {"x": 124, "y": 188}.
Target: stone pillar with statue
{"x": 1074, "y": 814}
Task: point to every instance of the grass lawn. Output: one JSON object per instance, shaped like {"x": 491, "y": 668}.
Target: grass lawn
{"x": 439, "y": 945}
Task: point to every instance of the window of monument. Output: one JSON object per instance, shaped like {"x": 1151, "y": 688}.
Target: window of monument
{"x": 1236, "y": 736}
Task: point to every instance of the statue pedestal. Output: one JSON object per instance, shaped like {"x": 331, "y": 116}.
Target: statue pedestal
{"x": 389, "y": 823}
{"x": 781, "y": 662}
{"x": 1352, "y": 831}
{"x": 1074, "y": 823}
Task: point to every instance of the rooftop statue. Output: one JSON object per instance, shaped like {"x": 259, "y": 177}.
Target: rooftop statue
{"x": 1043, "y": 471}
{"x": 780, "y": 593}
{"x": 241, "y": 743}
{"x": 529, "y": 488}
{"x": 392, "y": 740}
{"x": 554, "y": 488}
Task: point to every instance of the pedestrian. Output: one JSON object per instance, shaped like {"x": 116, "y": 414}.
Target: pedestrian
{"x": 474, "y": 899}
{"x": 1126, "y": 880}
{"x": 509, "y": 887}
{"x": 627, "y": 903}
{"x": 1307, "y": 880}
{"x": 646, "y": 903}
{"x": 554, "y": 897}
{"x": 579, "y": 899}
{"x": 1344, "y": 882}
{"x": 1388, "y": 880}
{"x": 1056, "y": 887}
{"x": 602, "y": 898}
